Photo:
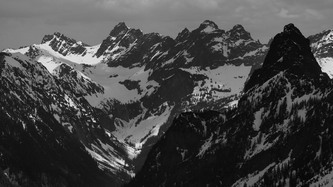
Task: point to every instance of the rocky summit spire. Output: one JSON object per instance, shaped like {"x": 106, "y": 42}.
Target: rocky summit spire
{"x": 289, "y": 48}
{"x": 290, "y": 51}
{"x": 238, "y": 27}
{"x": 49, "y": 37}
{"x": 238, "y": 32}
{"x": 291, "y": 29}
{"x": 120, "y": 28}
{"x": 61, "y": 37}
{"x": 183, "y": 35}
{"x": 208, "y": 25}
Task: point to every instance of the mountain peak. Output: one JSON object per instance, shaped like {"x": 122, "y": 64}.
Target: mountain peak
{"x": 185, "y": 31}
{"x": 63, "y": 44}
{"x": 287, "y": 44}
{"x": 291, "y": 51}
{"x": 210, "y": 23}
{"x": 238, "y": 27}
{"x": 58, "y": 35}
{"x": 183, "y": 35}
{"x": 120, "y": 28}
{"x": 239, "y": 32}
{"x": 121, "y": 25}
{"x": 291, "y": 29}
{"x": 49, "y": 37}
{"x": 207, "y": 24}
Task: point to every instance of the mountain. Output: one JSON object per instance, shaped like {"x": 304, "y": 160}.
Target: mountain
{"x": 49, "y": 132}
{"x": 117, "y": 98}
{"x": 279, "y": 135}
{"x": 284, "y": 55}
{"x": 322, "y": 48}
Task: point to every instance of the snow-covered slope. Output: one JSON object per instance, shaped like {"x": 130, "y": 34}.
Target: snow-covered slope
{"x": 57, "y": 48}
{"x": 223, "y": 82}
{"x": 322, "y": 48}
{"x": 49, "y": 129}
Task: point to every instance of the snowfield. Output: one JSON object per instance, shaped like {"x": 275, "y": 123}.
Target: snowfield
{"x": 222, "y": 82}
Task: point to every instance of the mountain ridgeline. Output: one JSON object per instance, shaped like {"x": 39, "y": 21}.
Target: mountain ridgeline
{"x": 165, "y": 110}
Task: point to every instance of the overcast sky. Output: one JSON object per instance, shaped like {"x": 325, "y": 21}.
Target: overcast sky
{"x": 24, "y": 22}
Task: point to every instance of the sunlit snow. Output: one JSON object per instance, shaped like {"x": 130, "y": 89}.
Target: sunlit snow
{"x": 138, "y": 134}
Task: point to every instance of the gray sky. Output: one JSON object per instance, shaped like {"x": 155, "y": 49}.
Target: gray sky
{"x": 24, "y": 22}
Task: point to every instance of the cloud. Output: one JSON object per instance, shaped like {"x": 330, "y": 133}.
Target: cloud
{"x": 64, "y": 11}
{"x": 314, "y": 4}
{"x": 313, "y": 14}
{"x": 284, "y": 13}
{"x": 168, "y": 17}
{"x": 151, "y": 4}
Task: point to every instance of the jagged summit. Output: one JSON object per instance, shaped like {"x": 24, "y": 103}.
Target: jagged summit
{"x": 238, "y": 27}
{"x": 119, "y": 29}
{"x": 58, "y": 34}
{"x": 61, "y": 37}
{"x": 288, "y": 46}
{"x": 49, "y": 37}
{"x": 291, "y": 51}
{"x": 291, "y": 29}
{"x": 239, "y": 32}
{"x": 120, "y": 37}
{"x": 209, "y": 23}
{"x": 208, "y": 26}
{"x": 64, "y": 44}
{"x": 183, "y": 35}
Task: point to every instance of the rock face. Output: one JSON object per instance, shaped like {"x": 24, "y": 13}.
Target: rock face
{"x": 279, "y": 135}
{"x": 114, "y": 100}
{"x": 64, "y": 45}
{"x": 289, "y": 50}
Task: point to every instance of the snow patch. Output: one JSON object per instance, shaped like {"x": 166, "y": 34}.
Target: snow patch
{"x": 136, "y": 132}
{"x": 259, "y": 143}
{"x": 323, "y": 179}
{"x": 251, "y": 179}
{"x": 110, "y": 78}
{"x": 70, "y": 102}
{"x": 233, "y": 104}
{"x": 302, "y": 114}
{"x": 258, "y": 119}
{"x": 326, "y": 65}
{"x": 205, "y": 146}
{"x": 208, "y": 29}
{"x": 12, "y": 62}
{"x": 222, "y": 82}
{"x": 49, "y": 62}
{"x": 22, "y": 50}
